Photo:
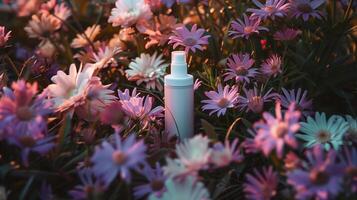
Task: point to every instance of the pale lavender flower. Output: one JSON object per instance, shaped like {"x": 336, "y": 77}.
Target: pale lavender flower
{"x": 89, "y": 186}
{"x": 271, "y": 8}
{"x": 275, "y": 132}
{"x": 109, "y": 160}
{"x": 272, "y": 66}
{"x": 302, "y": 103}
{"x": 306, "y": 8}
{"x": 4, "y": 36}
{"x": 261, "y": 185}
{"x": 255, "y": 99}
{"x": 190, "y": 39}
{"x": 156, "y": 184}
{"x": 240, "y": 68}
{"x": 320, "y": 177}
{"x": 223, "y": 155}
{"x": 220, "y": 101}
{"x": 286, "y": 34}
{"x": 244, "y": 29}
{"x": 21, "y": 111}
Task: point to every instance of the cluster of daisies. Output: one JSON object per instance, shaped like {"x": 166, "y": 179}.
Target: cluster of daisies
{"x": 120, "y": 131}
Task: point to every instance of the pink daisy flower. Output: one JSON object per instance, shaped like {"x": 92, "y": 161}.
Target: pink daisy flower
{"x": 139, "y": 109}
{"x": 272, "y": 66}
{"x": 254, "y": 100}
{"x": 190, "y": 39}
{"x": 286, "y": 34}
{"x": 220, "y": 101}
{"x": 299, "y": 98}
{"x": 272, "y": 9}
{"x": 223, "y": 155}
{"x": 23, "y": 111}
{"x": 240, "y": 68}
{"x": 320, "y": 177}
{"x": 275, "y": 132}
{"x": 244, "y": 29}
{"x": 306, "y": 8}
{"x": 261, "y": 185}
{"x": 4, "y": 36}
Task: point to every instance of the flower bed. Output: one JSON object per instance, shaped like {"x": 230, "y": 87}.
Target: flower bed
{"x": 82, "y": 109}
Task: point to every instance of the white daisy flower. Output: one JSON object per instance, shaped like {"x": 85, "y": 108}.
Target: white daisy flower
{"x": 194, "y": 153}
{"x": 188, "y": 189}
{"x": 321, "y": 131}
{"x": 128, "y": 12}
{"x": 69, "y": 91}
{"x": 147, "y": 69}
{"x": 98, "y": 96}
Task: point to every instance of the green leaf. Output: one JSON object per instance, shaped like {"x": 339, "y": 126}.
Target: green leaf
{"x": 209, "y": 129}
{"x": 26, "y": 188}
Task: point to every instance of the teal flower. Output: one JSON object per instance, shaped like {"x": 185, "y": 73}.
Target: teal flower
{"x": 187, "y": 189}
{"x": 321, "y": 131}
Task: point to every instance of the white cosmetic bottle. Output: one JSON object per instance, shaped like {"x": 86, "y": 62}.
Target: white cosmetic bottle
{"x": 179, "y": 98}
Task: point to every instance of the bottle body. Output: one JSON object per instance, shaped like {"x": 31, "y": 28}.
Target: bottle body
{"x": 179, "y": 117}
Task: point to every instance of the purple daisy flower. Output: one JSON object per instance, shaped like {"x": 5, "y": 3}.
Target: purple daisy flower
{"x": 272, "y": 9}
{"x": 220, "y": 101}
{"x": 21, "y": 111}
{"x": 286, "y": 34}
{"x": 190, "y": 39}
{"x": 320, "y": 176}
{"x": 243, "y": 29}
{"x": 302, "y": 103}
{"x": 30, "y": 143}
{"x": 275, "y": 132}
{"x": 90, "y": 186}
{"x": 156, "y": 184}
{"x": 223, "y": 155}
{"x": 306, "y": 8}
{"x": 46, "y": 192}
{"x": 349, "y": 162}
{"x": 240, "y": 68}
{"x": 110, "y": 160}
{"x": 261, "y": 185}
{"x": 272, "y": 66}
{"x": 254, "y": 100}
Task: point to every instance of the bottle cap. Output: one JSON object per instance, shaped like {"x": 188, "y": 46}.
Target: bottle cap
{"x": 178, "y": 76}
{"x": 178, "y": 63}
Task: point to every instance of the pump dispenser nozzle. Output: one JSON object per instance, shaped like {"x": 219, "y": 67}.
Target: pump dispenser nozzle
{"x": 178, "y": 63}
